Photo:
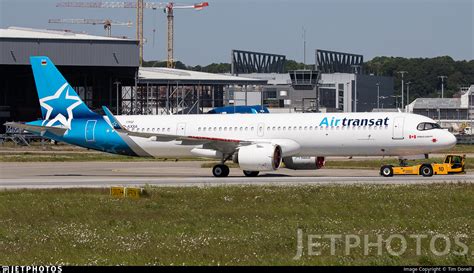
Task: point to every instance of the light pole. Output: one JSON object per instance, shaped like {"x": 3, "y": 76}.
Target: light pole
{"x": 408, "y": 93}
{"x": 442, "y": 85}
{"x": 382, "y": 98}
{"x": 304, "y": 47}
{"x": 396, "y": 100}
{"x": 378, "y": 95}
{"x": 117, "y": 85}
{"x": 345, "y": 99}
{"x": 356, "y": 67}
{"x": 403, "y": 74}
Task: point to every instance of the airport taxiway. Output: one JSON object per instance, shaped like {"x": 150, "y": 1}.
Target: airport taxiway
{"x": 185, "y": 173}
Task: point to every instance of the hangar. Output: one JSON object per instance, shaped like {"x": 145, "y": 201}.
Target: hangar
{"x": 90, "y": 63}
{"x": 103, "y": 71}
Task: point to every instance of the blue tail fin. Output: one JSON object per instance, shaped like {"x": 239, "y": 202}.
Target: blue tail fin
{"x": 59, "y": 102}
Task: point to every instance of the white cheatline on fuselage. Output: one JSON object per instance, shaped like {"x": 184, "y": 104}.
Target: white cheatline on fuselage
{"x": 316, "y": 134}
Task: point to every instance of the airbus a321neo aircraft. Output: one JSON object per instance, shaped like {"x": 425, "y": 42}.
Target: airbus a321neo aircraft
{"x": 257, "y": 142}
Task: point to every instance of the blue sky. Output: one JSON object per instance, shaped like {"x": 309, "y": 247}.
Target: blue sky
{"x": 406, "y": 28}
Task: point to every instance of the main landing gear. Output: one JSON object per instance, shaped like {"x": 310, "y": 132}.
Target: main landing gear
{"x": 251, "y": 173}
{"x": 220, "y": 170}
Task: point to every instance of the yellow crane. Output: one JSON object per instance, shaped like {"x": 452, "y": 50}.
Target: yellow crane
{"x": 107, "y": 23}
{"x": 140, "y": 5}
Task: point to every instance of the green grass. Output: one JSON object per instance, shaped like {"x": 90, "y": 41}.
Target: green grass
{"x": 229, "y": 225}
{"x": 461, "y": 148}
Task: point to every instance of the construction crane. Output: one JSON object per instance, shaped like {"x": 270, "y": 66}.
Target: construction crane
{"x": 107, "y": 23}
{"x": 140, "y": 5}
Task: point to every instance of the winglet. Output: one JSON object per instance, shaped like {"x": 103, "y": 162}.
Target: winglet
{"x": 113, "y": 121}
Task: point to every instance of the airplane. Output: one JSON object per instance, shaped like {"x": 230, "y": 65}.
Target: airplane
{"x": 255, "y": 142}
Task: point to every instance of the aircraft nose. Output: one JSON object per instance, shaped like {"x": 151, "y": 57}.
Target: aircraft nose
{"x": 450, "y": 140}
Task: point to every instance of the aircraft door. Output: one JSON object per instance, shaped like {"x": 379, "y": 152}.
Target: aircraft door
{"x": 398, "y": 124}
{"x": 90, "y": 130}
{"x": 261, "y": 129}
{"x": 181, "y": 129}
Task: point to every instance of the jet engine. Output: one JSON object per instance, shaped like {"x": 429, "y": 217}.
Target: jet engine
{"x": 259, "y": 157}
{"x": 304, "y": 162}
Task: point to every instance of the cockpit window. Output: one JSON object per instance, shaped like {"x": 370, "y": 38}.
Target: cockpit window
{"x": 427, "y": 126}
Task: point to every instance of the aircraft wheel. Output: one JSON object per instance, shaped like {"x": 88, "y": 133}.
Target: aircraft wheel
{"x": 251, "y": 173}
{"x": 386, "y": 171}
{"x": 220, "y": 170}
{"x": 426, "y": 170}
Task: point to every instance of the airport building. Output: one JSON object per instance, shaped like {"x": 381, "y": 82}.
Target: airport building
{"x": 455, "y": 114}
{"x": 338, "y": 84}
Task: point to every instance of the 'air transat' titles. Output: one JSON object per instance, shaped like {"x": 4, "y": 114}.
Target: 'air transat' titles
{"x": 354, "y": 122}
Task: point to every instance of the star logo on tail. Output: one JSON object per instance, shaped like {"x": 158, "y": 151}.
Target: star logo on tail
{"x": 59, "y": 107}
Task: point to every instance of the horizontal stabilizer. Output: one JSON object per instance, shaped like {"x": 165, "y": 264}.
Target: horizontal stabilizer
{"x": 113, "y": 121}
{"x": 37, "y": 128}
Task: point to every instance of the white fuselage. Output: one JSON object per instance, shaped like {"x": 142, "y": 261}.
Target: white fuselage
{"x": 305, "y": 134}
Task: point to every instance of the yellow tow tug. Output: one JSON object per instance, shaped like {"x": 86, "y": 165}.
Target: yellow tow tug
{"x": 452, "y": 164}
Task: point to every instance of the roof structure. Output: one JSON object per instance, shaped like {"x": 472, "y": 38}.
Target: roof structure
{"x": 31, "y": 33}
{"x": 437, "y": 103}
{"x": 161, "y": 75}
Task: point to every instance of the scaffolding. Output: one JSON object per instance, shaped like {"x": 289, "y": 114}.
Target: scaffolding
{"x": 150, "y": 99}
{"x": 165, "y": 91}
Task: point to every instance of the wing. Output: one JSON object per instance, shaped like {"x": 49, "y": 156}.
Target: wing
{"x": 37, "y": 128}
{"x": 224, "y": 145}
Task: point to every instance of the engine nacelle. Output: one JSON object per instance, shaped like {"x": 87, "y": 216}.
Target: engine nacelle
{"x": 304, "y": 162}
{"x": 259, "y": 157}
